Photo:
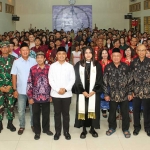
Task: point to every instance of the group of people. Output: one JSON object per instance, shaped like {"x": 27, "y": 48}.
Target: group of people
{"x": 110, "y": 69}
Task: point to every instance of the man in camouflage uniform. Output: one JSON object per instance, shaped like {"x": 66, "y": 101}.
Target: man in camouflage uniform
{"x": 6, "y": 91}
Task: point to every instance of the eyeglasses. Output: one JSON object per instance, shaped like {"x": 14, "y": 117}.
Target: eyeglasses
{"x": 141, "y": 50}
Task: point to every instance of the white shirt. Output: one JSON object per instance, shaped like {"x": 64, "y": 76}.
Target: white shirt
{"x": 61, "y": 76}
{"x": 31, "y": 45}
{"x": 76, "y": 56}
{"x": 108, "y": 45}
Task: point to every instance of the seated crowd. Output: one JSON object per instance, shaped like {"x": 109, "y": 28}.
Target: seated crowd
{"x": 106, "y": 69}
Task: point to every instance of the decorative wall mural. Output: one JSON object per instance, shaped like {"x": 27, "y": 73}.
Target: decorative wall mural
{"x": 72, "y": 17}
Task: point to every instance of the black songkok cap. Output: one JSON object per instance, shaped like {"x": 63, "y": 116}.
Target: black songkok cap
{"x": 61, "y": 49}
{"x": 24, "y": 45}
{"x": 116, "y": 50}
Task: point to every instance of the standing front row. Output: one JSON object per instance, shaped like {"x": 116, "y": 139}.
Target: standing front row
{"x": 33, "y": 80}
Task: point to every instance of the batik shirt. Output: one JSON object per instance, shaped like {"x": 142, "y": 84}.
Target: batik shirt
{"x": 38, "y": 87}
{"x": 116, "y": 82}
{"x": 5, "y": 68}
{"x": 140, "y": 77}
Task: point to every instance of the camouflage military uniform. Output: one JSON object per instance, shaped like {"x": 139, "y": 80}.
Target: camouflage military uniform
{"x": 6, "y": 80}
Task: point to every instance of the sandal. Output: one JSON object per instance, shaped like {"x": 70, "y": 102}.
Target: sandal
{"x": 127, "y": 134}
{"x": 110, "y": 132}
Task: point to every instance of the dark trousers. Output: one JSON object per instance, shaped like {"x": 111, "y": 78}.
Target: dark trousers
{"x": 36, "y": 108}
{"x": 61, "y": 106}
{"x": 124, "y": 107}
{"x": 137, "y": 102}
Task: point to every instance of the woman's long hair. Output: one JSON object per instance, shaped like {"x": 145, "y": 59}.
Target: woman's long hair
{"x": 83, "y": 61}
{"x": 49, "y": 47}
{"x": 111, "y": 44}
{"x": 132, "y": 53}
{"x": 46, "y": 42}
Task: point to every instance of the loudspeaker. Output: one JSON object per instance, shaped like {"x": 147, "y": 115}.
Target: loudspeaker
{"x": 127, "y": 16}
{"x": 15, "y": 18}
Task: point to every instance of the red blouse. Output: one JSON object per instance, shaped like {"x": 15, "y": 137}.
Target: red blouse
{"x": 103, "y": 64}
{"x": 97, "y": 50}
{"x": 125, "y": 60}
{"x": 96, "y": 53}
{"x": 48, "y": 56}
{"x": 69, "y": 44}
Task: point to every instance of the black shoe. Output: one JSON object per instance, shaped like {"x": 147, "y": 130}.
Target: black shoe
{"x": 83, "y": 135}
{"x": 67, "y": 136}
{"x": 37, "y": 136}
{"x": 93, "y": 132}
{"x": 32, "y": 129}
{"x": 1, "y": 126}
{"x": 11, "y": 126}
{"x": 148, "y": 132}
{"x": 136, "y": 131}
{"x": 56, "y": 136}
{"x": 48, "y": 133}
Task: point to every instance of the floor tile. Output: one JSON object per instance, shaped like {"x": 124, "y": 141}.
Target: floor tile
{"x": 136, "y": 143}
{"x": 104, "y": 144}
{"x": 34, "y": 145}
{"x": 73, "y": 144}
{"x": 8, "y": 145}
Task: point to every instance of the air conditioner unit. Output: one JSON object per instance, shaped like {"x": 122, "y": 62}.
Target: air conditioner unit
{"x": 15, "y": 18}
{"x": 127, "y": 16}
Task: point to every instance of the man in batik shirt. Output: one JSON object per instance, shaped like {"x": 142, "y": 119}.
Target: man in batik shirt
{"x": 38, "y": 91}
{"x": 6, "y": 91}
{"x": 118, "y": 91}
{"x": 140, "y": 77}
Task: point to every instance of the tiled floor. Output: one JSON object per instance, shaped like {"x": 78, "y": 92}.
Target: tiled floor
{"x": 12, "y": 141}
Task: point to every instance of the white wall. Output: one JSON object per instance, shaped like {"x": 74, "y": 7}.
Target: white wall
{"x": 106, "y": 13}
{"x": 6, "y": 23}
{"x": 141, "y": 13}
